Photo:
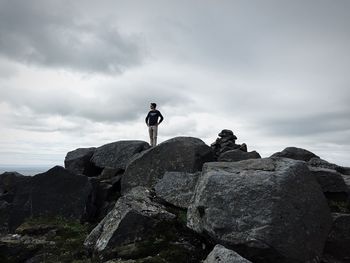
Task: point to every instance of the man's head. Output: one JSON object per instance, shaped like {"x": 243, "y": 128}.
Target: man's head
{"x": 153, "y": 106}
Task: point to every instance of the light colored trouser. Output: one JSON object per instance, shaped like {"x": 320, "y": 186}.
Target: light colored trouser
{"x": 153, "y": 132}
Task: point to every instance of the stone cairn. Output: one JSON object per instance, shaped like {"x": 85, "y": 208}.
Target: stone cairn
{"x": 227, "y": 142}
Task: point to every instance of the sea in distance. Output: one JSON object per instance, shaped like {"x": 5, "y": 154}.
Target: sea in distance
{"x": 24, "y": 170}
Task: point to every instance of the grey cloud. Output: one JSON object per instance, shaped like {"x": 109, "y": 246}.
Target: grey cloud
{"x": 309, "y": 125}
{"x": 50, "y": 34}
{"x": 110, "y": 104}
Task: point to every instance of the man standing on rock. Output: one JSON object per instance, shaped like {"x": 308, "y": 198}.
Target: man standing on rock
{"x": 152, "y": 123}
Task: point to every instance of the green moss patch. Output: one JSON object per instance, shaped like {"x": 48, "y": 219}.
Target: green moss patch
{"x": 66, "y": 238}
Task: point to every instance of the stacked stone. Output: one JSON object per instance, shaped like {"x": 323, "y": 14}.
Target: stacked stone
{"x": 227, "y": 142}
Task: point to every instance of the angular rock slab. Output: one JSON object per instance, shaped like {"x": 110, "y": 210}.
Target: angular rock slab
{"x": 117, "y": 154}
{"x": 133, "y": 218}
{"x": 238, "y": 155}
{"x": 270, "y": 209}
{"x": 180, "y": 154}
{"x": 177, "y": 188}
{"x": 220, "y": 254}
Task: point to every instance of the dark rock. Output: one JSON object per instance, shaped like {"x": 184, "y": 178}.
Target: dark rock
{"x": 78, "y": 161}
{"x": 56, "y": 192}
{"x": 226, "y": 142}
{"x": 5, "y": 207}
{"x": 227, "y": 134}
{"x": 134, "y": 217}
{"x": 220, "y": 254}
{"x": 338, "y": 242}
{"x": 103, "y": 192}
{"x": 117, "y": 154}
{"x": 296, "y": 154}
{"x": 320, "y": 163}
{"x": 238, "y": 155}
{"x": 110, "y": 173}
{"x": 177, "y": 188}
{"x": 181, "y": 154}
{"x": 332, "y": 184}
{"x": 8, "y": 184}
{"x": 243, "y": 147}
{"x": 330, "y": 180}
{"x": 346, "y": 179}
{"x": 268, "y": 210}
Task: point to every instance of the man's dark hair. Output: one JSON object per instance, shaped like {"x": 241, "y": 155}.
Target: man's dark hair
{"x": 154, "y": 105}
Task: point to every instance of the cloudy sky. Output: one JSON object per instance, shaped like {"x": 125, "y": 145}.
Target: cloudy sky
{"x": 82, "y": 73}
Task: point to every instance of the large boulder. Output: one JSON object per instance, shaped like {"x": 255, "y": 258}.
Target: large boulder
{"x": 134, "y": 218}
{"x": 78, "y": 161}
{"x": 296, "y": 154}
{"x": 177, "y": 188}
{"x": 220, "y": 254}
{"x": 117, "y": 154}
{"x": 181, "y": 154}
{"x": 268, "y": 210}
{"x": 238, "y": 155}
{"x": 338, "y": 242}
{"x": 57, "y": 192}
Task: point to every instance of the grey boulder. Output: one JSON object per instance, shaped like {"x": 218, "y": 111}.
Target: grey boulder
{"x": 177, "y": 188}
{"x": 238, "y": 155}
{"x": 117, "y": 154}
{"x": 180, "y": 154}
{"x": 134, "y": 218}
{"x": 271, "y": 209}
{"x": 78, "y": 161}
{"x": 220, "y": 254}
{"x": 296, "y": 154}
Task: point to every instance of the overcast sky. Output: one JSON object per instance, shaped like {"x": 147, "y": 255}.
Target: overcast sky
{"x": 82, "y": 73}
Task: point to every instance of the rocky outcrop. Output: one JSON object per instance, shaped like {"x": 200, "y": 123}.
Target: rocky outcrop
{"x": 268, "y": 210}
{"x": 226, "y": 142}
{"x": 295, "y": 154}
{"x": 238, "y": 155}
{"x": 338, "y": 242}
{"x": 173, "y": 203}
{"x": 56, "y": 192}
{"x": 220, "y": 254}
{"x": 134, "y": 218}
{"x": 177, "y": 188}
{"x": 181, "y": 154}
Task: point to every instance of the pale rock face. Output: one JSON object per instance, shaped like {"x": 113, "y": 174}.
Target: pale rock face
{"x": 272, "y": 208}
{"x": 220, "y": 254}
